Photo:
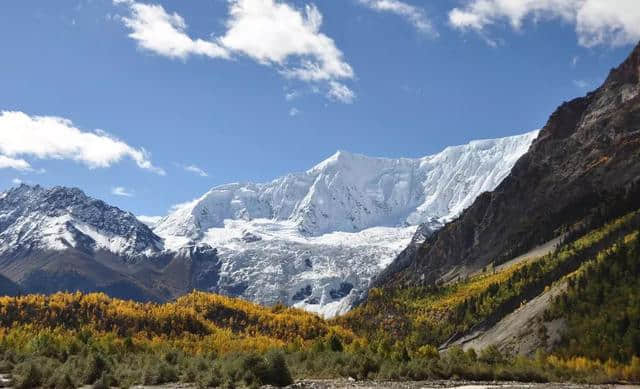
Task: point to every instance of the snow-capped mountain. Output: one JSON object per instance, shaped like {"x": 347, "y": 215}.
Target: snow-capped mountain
{"x": 352, "y": 192}
{"x": 61, "y": 239}
{"x": 315, "y": 239}
{"x": 35, "y": 218}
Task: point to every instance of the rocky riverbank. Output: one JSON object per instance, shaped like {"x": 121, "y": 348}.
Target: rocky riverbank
{"x": 348, "y": 384}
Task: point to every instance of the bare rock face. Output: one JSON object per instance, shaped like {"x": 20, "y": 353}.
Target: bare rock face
{"x": 587, "y": 155}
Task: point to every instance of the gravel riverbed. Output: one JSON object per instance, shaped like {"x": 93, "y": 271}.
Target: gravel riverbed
{"x": 347, "y": 384}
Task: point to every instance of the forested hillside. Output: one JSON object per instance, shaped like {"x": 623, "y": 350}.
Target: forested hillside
{"x": 65, "y": 340}
{"x": 431, "y": 315}
{"x": 602, "y": 304}
{"x": 219, "y": 319}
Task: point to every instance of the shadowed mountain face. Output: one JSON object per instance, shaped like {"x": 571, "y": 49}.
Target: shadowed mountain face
{"x": 8, "y": 287}
{"x": 586, "y": 157}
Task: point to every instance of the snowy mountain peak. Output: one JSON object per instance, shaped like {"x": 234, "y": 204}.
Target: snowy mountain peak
{"x": 315, "y": 239}
{"x": 59, "y": 218}
{"x": 339, "y": 158}
{"x": 352, "y": 192}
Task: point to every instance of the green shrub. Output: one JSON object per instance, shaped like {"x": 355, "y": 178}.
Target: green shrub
{"x": 61, "y": 380}
{"x": 5, "y": 367}
{"x": 278, "y": 373}
{"x": 158, "y": 372}
{"x": 389, "y": 370}
{"x": 106, "y": 381}
{"x": 43, "y": 345}
{"x": 318, "y": 346}
{"x": 491, "y": 355}
{"x": 211, "y": 378}
{"x": 421, "y": 369}
{"x": 335, "y": 344}
{"x": 366, "y": 365}
{"x": 471, "y": 355}
{"x": 427, "y": 352}
{"x": 254, "y": 370}
{"x": 172, "y": 357}
{"x": 27, "y": 375}
{"x": 96, "y": 365}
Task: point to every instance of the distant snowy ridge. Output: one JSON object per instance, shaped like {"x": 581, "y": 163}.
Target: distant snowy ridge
{"x": 36, "y": 218}
{"x": 352, "y": 192}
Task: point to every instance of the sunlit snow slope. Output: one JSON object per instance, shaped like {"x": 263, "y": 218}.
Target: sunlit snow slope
{"x": 315, "y": 239}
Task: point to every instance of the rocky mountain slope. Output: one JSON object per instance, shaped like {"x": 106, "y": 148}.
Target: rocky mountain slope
{"x": 578, "y": 298}
{"x": 315, "y": 239}
{"x": 35, "y": 218}
{"x": 587, "y": 157}
{"x": 61, "y": 239}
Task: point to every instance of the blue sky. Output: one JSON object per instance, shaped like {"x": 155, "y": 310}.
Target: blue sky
{"x": 147, "y": 104}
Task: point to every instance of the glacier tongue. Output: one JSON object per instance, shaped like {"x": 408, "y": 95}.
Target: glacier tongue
{"x": 315, "y": 239}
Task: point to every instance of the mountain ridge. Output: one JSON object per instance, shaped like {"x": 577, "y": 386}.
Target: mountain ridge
{"x": 42, "y": 216}
{"x": 303, "y": 198}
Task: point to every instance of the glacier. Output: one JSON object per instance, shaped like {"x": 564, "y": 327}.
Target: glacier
{"x": 315, "y": 239}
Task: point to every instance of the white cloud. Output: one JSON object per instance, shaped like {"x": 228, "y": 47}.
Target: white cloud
{"x": 50, "y": 137}
{"x": 121, "y": 191}
{"x": 163, "y": 33}
{"x": 340, "y": 92}
{"x": 291, "y": 95}
{"x": 574, "y": 61}
{"x": 196, "y": 170}
{"x": 270, "y": 32}
{"x": 582, "y": 84}
{"x": 12, "y": 163}
{"x": 277, "y": 34}
{"x": 414, "y": 15}
{"x": 597, "y": 22}
{"x": 294, "y": 112}
{"x": 16, "y": 181}
{"x": 150, "y": 221}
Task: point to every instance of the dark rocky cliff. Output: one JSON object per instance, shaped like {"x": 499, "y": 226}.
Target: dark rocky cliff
{"x": 586, "y": 157}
